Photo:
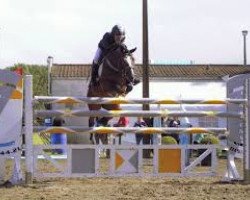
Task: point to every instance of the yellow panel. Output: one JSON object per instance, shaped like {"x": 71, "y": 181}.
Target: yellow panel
{"x": 16, "y": 95}
{"x": 118, "y": 160}
{"x": 169, "y": 161}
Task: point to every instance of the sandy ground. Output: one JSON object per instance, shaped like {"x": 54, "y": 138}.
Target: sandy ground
{"x": 130, "y": 188}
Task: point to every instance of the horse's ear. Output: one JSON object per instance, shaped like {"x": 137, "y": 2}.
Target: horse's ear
{"x": 132, "y": 50}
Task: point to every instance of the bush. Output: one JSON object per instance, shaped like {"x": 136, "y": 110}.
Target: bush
{"x": 168, "y": 140}
{"x": 210, "y": 139}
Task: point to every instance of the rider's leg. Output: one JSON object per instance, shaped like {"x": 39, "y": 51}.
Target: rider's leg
{"x": 95, "y": 66}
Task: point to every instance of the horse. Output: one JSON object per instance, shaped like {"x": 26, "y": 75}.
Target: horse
{"x": 114, "y": 74}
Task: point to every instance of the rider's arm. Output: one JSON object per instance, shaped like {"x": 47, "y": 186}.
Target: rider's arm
{"x": 106, "y": 42}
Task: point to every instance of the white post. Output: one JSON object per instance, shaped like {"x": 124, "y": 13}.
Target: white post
{"x": 49, "y": 63}
{"x": 246, "y": 142}
{"x": 29, "y": 129}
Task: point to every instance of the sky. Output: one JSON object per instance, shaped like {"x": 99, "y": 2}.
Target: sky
{"x": 204, "y": 31}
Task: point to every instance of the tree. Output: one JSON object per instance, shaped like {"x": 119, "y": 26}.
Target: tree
{"x": 40, "y": 77}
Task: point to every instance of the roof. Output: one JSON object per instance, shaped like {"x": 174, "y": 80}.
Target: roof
{"x": 198, "y": 72}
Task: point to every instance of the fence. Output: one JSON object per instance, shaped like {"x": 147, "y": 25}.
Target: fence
{"x": 126, "y": 160}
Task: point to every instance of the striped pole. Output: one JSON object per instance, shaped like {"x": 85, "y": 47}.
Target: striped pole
{"x": 99, "y": 100}
{"x": 129, "y": 130}
{"x": 134, "y": 113}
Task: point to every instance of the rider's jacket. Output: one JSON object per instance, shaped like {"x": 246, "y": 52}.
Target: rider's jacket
{"x": 107, "y": 42}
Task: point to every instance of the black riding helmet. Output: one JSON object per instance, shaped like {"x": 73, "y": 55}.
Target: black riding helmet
{"x": 118, "y": 30}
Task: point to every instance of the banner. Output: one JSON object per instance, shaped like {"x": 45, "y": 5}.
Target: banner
{"x": 11, "y": 105}
{"x": 235, "y": 90}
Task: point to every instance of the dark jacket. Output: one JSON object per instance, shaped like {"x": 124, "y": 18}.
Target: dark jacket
{"x": 107, "y": 42}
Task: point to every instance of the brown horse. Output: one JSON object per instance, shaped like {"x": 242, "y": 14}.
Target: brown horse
{"x": 115, "y": 73}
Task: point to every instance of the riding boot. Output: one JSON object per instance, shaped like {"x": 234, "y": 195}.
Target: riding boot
{"x": 94, "y": 74}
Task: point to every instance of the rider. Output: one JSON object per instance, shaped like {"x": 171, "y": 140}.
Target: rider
{"x": 116, "y": 36}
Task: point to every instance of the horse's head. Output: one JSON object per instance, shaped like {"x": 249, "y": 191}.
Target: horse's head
{"x": 127, "y": 61}
{"x": 120, "y": 55}
{"x": 118, "y": 66}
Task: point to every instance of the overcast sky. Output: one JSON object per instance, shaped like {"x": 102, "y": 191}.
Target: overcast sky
{"x": 205, "y": 31}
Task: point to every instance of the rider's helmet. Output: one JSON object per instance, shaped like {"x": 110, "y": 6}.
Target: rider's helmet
{"x": 118, "y": 33}
{"x": 118, "y": 30}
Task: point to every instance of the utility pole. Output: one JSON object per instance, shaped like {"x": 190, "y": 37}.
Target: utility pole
{"x": 244, "y": 33}
{"x": 145, "y": 67}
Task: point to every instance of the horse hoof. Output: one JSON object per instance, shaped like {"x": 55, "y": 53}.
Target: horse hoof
{"x": 136, "y": 81}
